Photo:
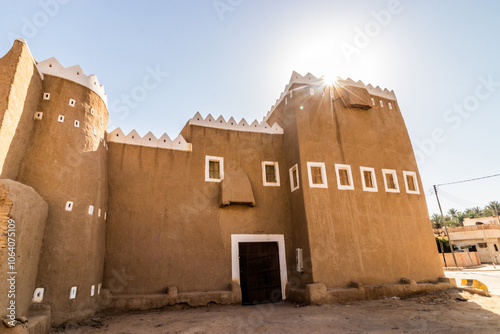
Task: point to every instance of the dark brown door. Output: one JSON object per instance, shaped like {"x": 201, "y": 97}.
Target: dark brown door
{"x": 260, "y": 272}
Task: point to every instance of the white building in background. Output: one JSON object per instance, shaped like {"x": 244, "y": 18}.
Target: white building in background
{"x": 485, "y": 238}
{"x": 481, "y": 221}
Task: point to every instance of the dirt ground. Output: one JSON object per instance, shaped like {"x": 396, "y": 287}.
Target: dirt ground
{"x": 444, "y": 312}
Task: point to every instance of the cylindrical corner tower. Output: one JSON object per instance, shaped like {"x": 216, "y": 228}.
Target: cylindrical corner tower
{"x": 66, "y": 165}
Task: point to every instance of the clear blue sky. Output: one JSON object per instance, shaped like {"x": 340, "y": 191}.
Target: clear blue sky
{"x": 234, "y": 57}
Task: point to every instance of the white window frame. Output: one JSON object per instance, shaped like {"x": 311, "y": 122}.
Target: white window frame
{"x": 390, "y": 105}
{"x": 322, "y": 166}
{"x": 381, "y": 103}
{"x": 209, "y": 158}
{"x": 46, "y": 96}
{"x": 38, "y": 115}
{"x": 68, "y": 206}
{"x": 60, "y": 119}
{"x": 38, "y": 295}
{"x": 374, "y": 179}
{"x": 373, "y": 101}
{"x": 276, "y": 172}
{"x": 395, "y": 177}
{"x": 290, "y": 171}
{"x": 72, "y": 292}
{"x": 349, "y": 175}
{"x": 72, "y": 102}
{"x": 415, "y": 181}
{"x": 235, "y": 255}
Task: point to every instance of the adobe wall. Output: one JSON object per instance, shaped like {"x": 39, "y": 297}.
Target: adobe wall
{"x": 359, "y": 237}
{"x": 20, "y": 90}
{"x": 66, "y": 163}
{"x": 287, "y": 119}
{"x": 165, "y": 225}
{"x": 24, "y": 232}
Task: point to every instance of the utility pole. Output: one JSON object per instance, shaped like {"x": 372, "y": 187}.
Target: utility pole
{"x": 445, "y": 227}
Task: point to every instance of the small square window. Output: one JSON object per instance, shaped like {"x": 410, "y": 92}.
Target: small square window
{"x": 411, "y": 182}
{"x": 270, "y": 174}
{"x": 214, "y": 169}
{"x": 72, "y": 293}
{"x": 344, "y": 177}
{"x": 69, "y": 206}
{"x": 72, "y": 102}
{"x": 38, "y": 115}
{"x": 38, "y": 295}
{"x": 390, "y": 180}
{"x": 92, "y": 111}
{"x": 60, "y": 119}
{"x": 368, "y": 178}
{"x": 77, "y": 124}
{"x": 381, "y": 103}
{"x": 317, "y": 174}
{"x": 91, "y": 209}
{"x": 294, "y": 178}
{"x": 46, "y": 96}
{"x": 390, "y": 105}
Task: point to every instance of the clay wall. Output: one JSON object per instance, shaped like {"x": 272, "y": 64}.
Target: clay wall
{"x": 66, "y": 165}
{"x": 165, "y": 224}
{"x": 354, "y": 234}
{"x": 287, "y": 118}
{"x": 20, "y": 91}
{"x": 23, "y": 215}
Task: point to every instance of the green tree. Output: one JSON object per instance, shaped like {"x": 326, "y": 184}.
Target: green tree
{"x": 492, "y": 209}
{"x": 436, "y": 220}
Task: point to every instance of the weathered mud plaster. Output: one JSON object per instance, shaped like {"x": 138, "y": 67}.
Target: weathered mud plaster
{"x": 28, "y": 212}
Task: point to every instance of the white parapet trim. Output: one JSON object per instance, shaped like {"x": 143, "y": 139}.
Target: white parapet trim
{"x": 310, "y": 79}
{"x": 231, "y": 124}
{"x": 149, "y": 140}
{"x": 74, "y": 73}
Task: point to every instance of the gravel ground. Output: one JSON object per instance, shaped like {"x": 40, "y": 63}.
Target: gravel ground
{"x": 445, "y": 312}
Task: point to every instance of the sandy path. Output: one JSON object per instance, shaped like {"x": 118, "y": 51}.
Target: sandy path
{"x": 437, "y": 313}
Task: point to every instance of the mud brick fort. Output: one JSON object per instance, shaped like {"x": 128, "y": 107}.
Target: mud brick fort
{"x": 307, "y": 205}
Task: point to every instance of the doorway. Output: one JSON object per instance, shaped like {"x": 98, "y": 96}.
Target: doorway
{"x": 260, "y": 277}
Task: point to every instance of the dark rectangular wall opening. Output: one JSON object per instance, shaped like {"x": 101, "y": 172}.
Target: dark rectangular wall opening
{"x": 260, "y": 278}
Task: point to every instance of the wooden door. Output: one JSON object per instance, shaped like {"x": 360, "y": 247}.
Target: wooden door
{"x": 260, "y": 278}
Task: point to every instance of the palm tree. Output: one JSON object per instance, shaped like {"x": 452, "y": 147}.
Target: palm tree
{"x": 477, "y": 212}
{"x": 436, "y": 220}
{"x": 493, "y": 208}
{"x": 460, "y": 218}
{"x": 453, "y": 214}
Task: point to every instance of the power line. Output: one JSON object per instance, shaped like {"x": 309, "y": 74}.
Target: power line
{"x": 478, "y": 178}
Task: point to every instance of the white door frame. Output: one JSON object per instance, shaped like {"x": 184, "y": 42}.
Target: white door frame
{"x": 235, "y": 254}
